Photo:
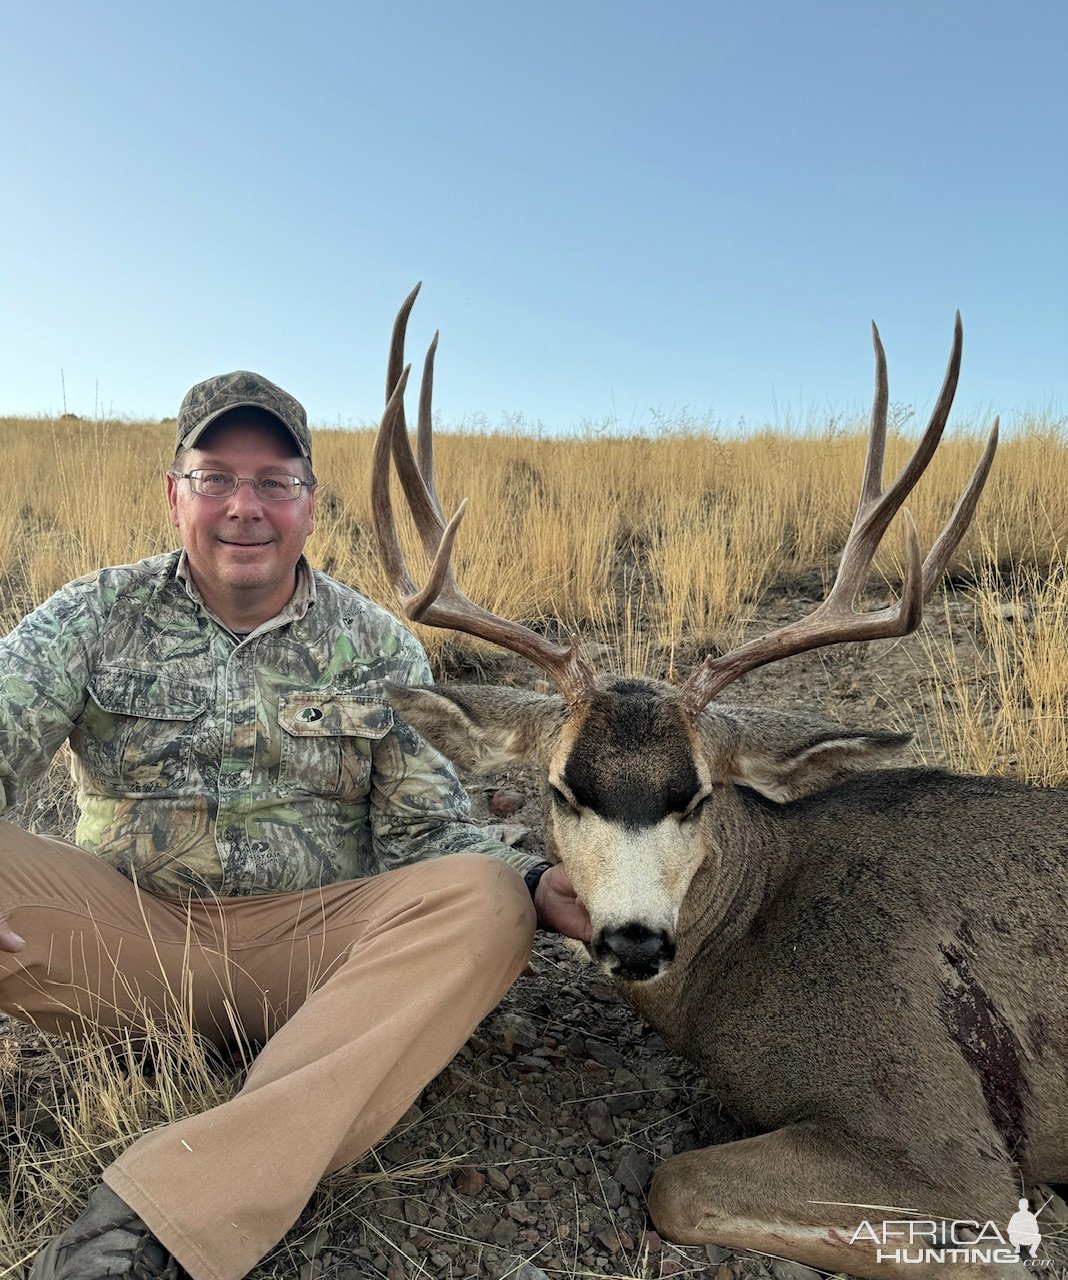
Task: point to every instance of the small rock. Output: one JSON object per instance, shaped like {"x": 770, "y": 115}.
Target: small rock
{"x": 624, "y": 1104}
{"x": 717, "y": 1253}
{"x": 607, "y": 1190}
{"x": 793, "y": 1271}
{"x": 315, "y": 1245}
{"x": 605, "y": 1054}
{"x": 515, "y": 1034}
{"x": 528, "y": 1271}
{"x": 633, "y": 1170}
{"x": 469, "y": 1181}
{"x": 417, "y": 1212}
{"x": 505, "y": 1232}
{"x": 600, "y": 1121}
{"x": 481, "y": 1225}
{"x": 497, "y": 1179}
{"x": 400, "y": 1152}
{"x": 506, "y": 802}
{"x": 610, "y": 1238}
{"x": 650, "y": 1242}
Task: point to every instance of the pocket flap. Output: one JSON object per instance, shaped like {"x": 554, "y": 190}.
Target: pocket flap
{"x": 328, "y": 714}
{"x": 153, "y": 695}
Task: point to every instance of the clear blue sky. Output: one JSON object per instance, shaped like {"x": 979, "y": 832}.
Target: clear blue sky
{"x": 620, "y": 211}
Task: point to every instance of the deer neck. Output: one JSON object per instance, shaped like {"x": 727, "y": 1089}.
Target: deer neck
{"x": 748, "y": 863}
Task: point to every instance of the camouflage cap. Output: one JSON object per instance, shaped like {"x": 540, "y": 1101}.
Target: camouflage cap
{"x": 210, "y": 399}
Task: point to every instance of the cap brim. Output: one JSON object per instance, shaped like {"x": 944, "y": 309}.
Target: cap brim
{"x": 189, "y": 440}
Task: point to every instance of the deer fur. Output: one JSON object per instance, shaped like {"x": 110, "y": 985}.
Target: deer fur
{"x": 868, "y": 965}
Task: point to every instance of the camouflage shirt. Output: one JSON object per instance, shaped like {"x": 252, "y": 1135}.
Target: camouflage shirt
{"x": 207, "y": 762}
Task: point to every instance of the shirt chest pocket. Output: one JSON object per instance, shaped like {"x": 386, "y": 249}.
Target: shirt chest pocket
{"x": 327, "y": 743}
{"x": 136, "y": 733}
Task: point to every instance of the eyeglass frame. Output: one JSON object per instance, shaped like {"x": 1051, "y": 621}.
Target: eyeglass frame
{"x": 294, "y": 489}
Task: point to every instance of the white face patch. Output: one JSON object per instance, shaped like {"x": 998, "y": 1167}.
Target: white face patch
{"x": 629, "y": 876}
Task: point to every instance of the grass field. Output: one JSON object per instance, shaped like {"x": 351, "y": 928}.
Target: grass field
{"x": 652, "y": 550}
{"x": 563, "y": 529}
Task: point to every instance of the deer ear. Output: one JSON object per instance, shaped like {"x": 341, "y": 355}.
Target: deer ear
{"x": 482, "y": 727}
{"x": 784, "y": 756}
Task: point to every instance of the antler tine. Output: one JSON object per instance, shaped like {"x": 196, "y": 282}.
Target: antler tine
{"x": 426, "y": 510}
{"x": 440, "y": 603}
{"x": 425, "y": 429}
{"x": 876, "y": 509}
{"x": 872, "y": 483}
{"x": 835, "y": 620}
{"x": 389, "y": 549}
{"x": 938, "y": 557}
{"x": 395, "y": 364}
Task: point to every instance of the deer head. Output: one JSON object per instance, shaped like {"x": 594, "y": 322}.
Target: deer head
{"x": 642, "y": 774}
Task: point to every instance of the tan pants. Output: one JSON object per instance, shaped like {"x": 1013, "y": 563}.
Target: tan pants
{"x": 363, "y": 991}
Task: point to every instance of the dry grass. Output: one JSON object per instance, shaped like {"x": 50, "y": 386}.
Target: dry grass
{"x": 69, "y": 1115}
{"x": 1004, "y": 705}
{"x": 642, "y": 545}
{"x": 554, "y": 527}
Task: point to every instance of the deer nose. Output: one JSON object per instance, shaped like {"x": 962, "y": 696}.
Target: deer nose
{"x": 634, "y": 951}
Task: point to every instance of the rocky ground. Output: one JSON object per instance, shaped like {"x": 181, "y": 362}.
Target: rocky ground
{"x": 530, "y": 1156}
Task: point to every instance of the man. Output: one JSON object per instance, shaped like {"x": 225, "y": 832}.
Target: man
{"x": 259, "y": 833}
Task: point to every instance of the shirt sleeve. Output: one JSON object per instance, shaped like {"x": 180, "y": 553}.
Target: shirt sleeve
{"x": 44, "y": 670}
{"x": 419, "y": 808}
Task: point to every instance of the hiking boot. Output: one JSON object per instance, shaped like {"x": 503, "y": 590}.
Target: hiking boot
{"x": 108, "y": 1240}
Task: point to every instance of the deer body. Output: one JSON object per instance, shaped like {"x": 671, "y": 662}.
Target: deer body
{"x": 884, "y": 950}
{"x": 870, "y": 965}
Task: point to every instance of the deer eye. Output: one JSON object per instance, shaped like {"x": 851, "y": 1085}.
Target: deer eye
{"x": 696, "y": 808}
{"x": 562, "y": 801}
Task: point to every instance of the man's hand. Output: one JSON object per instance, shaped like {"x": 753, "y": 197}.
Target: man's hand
{"x": 559, "y": 907}
{"x": 9, "y": 939}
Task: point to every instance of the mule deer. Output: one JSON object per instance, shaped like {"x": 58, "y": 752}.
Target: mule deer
{"x": 870, "y": 966}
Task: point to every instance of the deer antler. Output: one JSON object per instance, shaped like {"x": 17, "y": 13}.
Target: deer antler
{"x": 835, "y": 619}
{"x": 440, "y": 603}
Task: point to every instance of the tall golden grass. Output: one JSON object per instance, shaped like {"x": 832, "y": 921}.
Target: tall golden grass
{"x": 648, "y": 546}
{"x": 1004, "y": 707}
{"x": 557, "y": 529}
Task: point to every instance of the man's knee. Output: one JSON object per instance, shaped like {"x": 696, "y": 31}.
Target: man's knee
{"x": 496, "y": 885}
{"x": 489, "y": 898}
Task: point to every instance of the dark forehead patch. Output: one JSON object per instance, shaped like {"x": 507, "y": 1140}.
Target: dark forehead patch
{"x": 632, "y": 762}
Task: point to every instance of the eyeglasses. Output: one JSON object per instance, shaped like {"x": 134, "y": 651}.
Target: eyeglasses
{"x": 221, "y": 484}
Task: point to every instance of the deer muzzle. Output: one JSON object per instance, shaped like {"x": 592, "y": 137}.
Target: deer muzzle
{"x": 633, "y": 951}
